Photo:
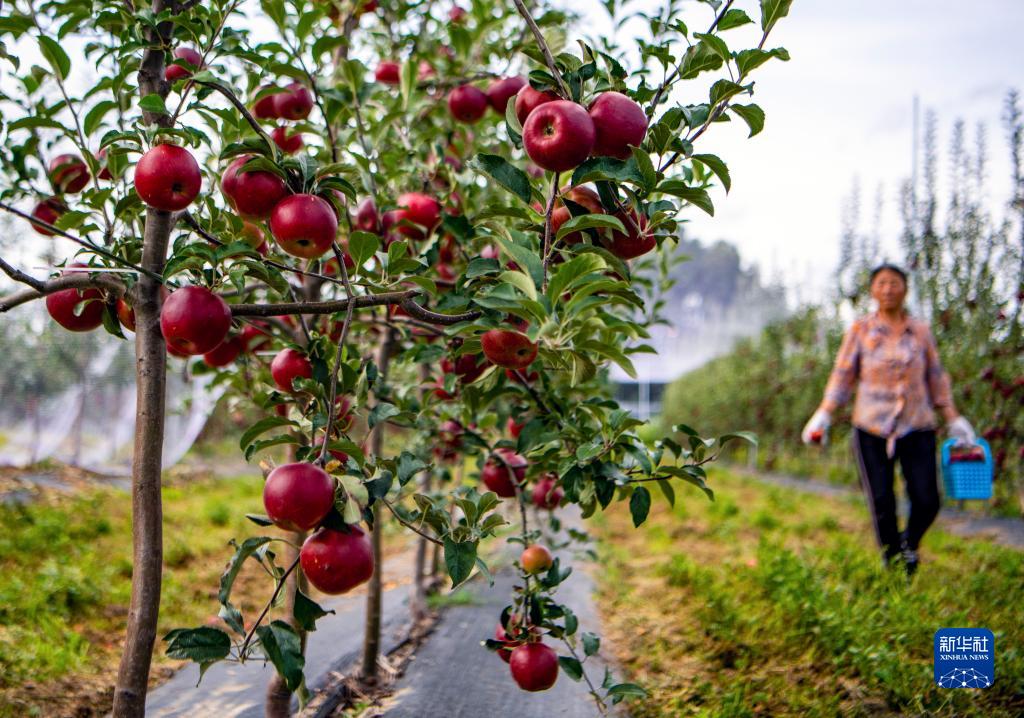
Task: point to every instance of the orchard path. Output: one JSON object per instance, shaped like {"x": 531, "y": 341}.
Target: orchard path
{"x": 1005, "y": 531}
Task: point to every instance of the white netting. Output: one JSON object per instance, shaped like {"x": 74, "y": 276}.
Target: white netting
{"x": 71, "y": 397}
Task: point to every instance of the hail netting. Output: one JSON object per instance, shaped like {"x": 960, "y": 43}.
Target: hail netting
{"x": 70, "y": 397}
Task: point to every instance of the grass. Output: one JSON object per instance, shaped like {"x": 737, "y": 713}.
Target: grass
{"x": 772, "y": 602}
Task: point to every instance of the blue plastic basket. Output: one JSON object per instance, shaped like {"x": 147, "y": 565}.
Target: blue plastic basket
{"x": 967, "y": 479}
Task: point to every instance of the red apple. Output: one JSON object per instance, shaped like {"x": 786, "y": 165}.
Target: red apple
{"x": 177, "y": 352}
{"x": 636, "y": 241}
{"x": 498, "y": 477}
{"x": 294, "y": 103}
{"x": 508, "y": 349}
{"x": 529, "y": 99}
{"x": 421, "y": 210}
{"x": 817, "y": 435}
{"x": 175, "y": 72}
{"x": 619, "y": 122}
{"x": 583, "y": 196}
{"x": 255, "y": 336}
{"x": 456, "y": 14}
{"x": 101, "y": 157}
{"x": 501, "y": 91}
{"x": 530, "y": 377}
{"x": 388, "y": 72}
{"x": 445, "y": 273}
{"x": 125, "y": 314}
{"x": 253, "y": 193}
{"x": 304, "y": 225}
{"x": 367, "y": 218}
{"x": 194, "y": 320}
{"x": 253, "y": 235}
{"x": 49, "y": 211}
{"x": 547, "y": 494}
{"x": 298, "y": 496}
{"x": 335, "y": 561}
{"x": 288, "y": 365}
{"x": 513, "y": 428}
{"x": 468, "y": 367}
{"x": 287, "y": 141}
{"x": 467, "y": 103}
{"x": 535, "y": 558}
{"x": 534, "y": 666}
{"x": 558, "y": 135}
{"x": 167, "y": 177}
{"x": 264, "y": 108}
{"x": 89, "y": 303}
{"x": 224, "y": 353}
{"x": 68, "y": 174}
{"x": 424, "y": 71}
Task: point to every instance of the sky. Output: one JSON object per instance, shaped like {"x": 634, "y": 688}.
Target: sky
{"x": 841, "y": 109}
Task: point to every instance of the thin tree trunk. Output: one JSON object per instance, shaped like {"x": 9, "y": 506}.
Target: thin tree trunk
{"x": 418, "y": 604}
{"x": 279, "y": 697}
{"x": 150, "y": 379}
{"x": 371, "y": 638}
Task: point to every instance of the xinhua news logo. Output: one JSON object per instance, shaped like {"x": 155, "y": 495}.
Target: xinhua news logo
{"x": 964, "y": 658}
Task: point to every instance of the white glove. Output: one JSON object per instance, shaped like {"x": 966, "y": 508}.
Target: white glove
{"x": 816, "y": 430}
{"x": 961, "y": 430}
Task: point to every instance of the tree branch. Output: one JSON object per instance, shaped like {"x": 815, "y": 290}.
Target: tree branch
{"x": 675, "y": 72}
{"x": 548, "y": 58}
{"x": 409, "y": 526}
{"x": 329, "y": 307}
{"x": 425, "y": 315}
{"x": 241, "y": 108}
{"x": 78, "y": 280}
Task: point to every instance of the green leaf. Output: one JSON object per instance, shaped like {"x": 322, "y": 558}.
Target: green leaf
{"x": 262, "y": 426}
{"x": 460, "y": 559}
{"x": 382, "y": 412}
{"x": 408, "y": 466}
{"x": 639, "y": 505}
{"x": 524, "y": 257}
{"x": 772, "y": 11}
{"x": 202, "y": 645}
{"x": 307, "y": 611}
{"x": 34, "y": 122}
{"x": 591, "y": 643}
{"x": 748, "y": 60}
{"x": 716, "y": 165}
{"x": 590, "y": 221}
{"x": 282, "y": 647}
{"x": 608, "y": 168}
{"x": 571, "y": 667}
{"x": 733, "y": 18}
{"x": 752, "y": 114}
{"x": 506, "y": 174}
{"x": 723, "y": 90}
{"x": 362, "y": 246}
{"x": 693, "y": 195}
{"x": 247, "y": 549}
{"x": 55, "y": 55}
{"x": 623, "y": 690}
{"x": 748, "y": 436}
{"x": 520, "y": 281}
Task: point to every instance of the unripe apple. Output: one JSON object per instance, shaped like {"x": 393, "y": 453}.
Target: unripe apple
{"x": 535, "y": 558}
{"x": 467, "y": 103}
{"x": 558, "y": 135}
{"x": 167, "y": 177}
{"x": 335, "y": 561}
{"x": 264, "y": 108}
{"x": 508, "y": 349}
{"x": 62, "y": 307}
{"x": 253, "y": 193}
{"x": 194, "y": 320}
{"x": 529, "y": 99}
{"x": 49, "y": 210}
{"x": 388, "y": 72}
{"x": 636, "y": 241}
{"x": 224, "y": 353}
{"x": 298, "y": 496}
{"x": 288, "y": 365}
{"x": 619, "y": 122}
{"x": 502, "y": 472}
{"x": 547, "y": 494}
{"x": 68, "y": 174}
{"x": 304, "y": 225}
{"x": 534, "y": 666}
{"x": 501, "y": 91}
{"x": 421, "y": 210}
{"x": 294, "y": 103}
{"x": 175, "y": 72}
{"x": 286, "y": 140}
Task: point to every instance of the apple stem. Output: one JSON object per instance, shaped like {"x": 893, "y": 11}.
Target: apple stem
{"x": 548, "y": 249}
{"x": 322, "y": 459}
{"x": 545, "y": 51}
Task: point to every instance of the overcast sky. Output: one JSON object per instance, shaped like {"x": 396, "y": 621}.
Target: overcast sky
{"x": 841, "y": 108}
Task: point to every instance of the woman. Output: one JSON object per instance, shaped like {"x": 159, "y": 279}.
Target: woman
{"x": 892, "y": 359}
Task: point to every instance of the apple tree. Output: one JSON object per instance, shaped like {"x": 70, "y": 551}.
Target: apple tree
{"x": 433, "y": 222}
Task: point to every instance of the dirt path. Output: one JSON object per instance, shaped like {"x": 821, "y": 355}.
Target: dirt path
{"x": 1005, "y": 531}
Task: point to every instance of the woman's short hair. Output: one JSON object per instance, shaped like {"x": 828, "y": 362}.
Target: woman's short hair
{"x": 887, "y": 266}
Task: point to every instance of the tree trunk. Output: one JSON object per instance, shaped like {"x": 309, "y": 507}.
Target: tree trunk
{"x": 371, "y": 638}
{"x": 147, "y": 512}
{"x": 147, "y": 459}
{"x": 279, "y": 697}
